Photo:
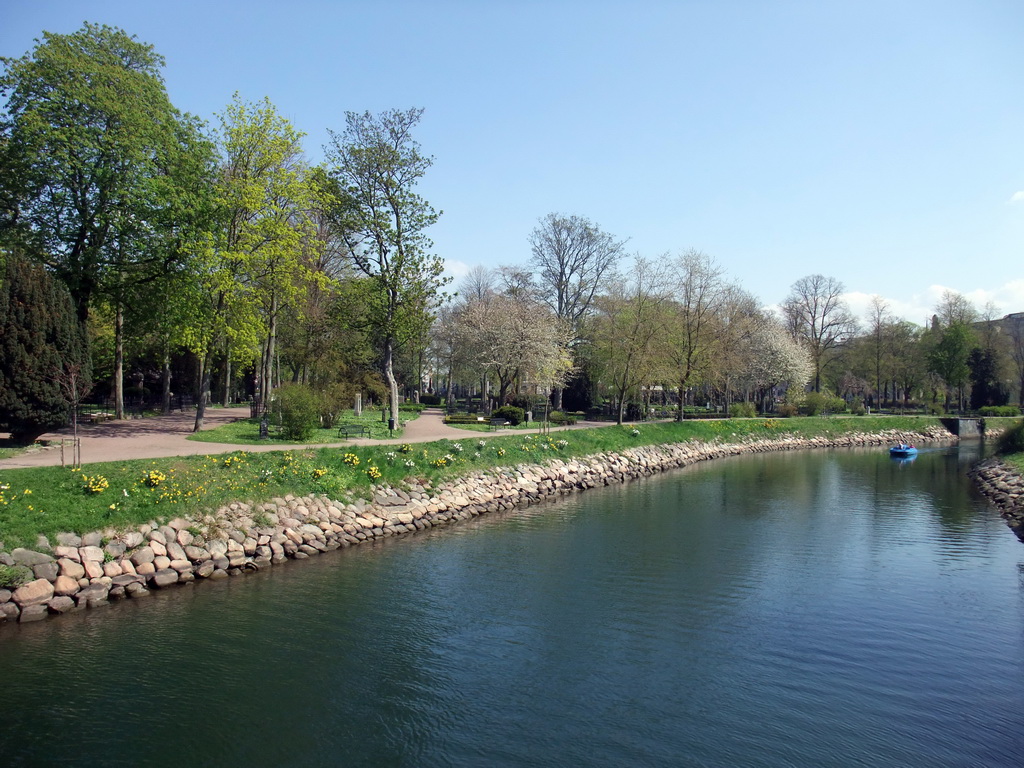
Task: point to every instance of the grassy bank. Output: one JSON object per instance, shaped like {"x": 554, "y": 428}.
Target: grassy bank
{"x": 118, "y": 494}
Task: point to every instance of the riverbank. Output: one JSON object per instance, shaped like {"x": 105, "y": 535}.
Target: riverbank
{"x": 1003, "y": 485}
{"x": 84, "y": 572}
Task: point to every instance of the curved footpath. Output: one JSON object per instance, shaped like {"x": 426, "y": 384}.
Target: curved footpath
{"x": 164, "y": 436}
{"x": 82, "y": 572}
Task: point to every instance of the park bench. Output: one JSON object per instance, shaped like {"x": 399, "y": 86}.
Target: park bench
{"x": 353, "y": 430}
{"x": 498, "y": 423}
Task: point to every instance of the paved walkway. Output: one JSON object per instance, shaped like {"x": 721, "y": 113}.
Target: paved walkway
{"x": 164, "y": 436}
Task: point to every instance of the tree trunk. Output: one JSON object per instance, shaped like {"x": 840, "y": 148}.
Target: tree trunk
{"x": 558, "y": 398}
{"x": 227, "y": 379}
{"x": 389, "y": 374}
{"x": 205, "y": 372}
{"x": 119, "y": 362}
{"x": 166, "y": 380}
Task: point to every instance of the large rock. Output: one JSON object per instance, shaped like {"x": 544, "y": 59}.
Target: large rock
{"x": 69, "y": 540}
{"x": 92, "y": 539}
{"x": 115, "y": 549}
{"x": 28, "y": 557}
{"x": 93, "y": 568}
{"x": 136, "y": 589}
{"x": 69, "y": 567}
{"x": 61, "y": 604}
{"x": 132, "y": 539}
{"x": 46, "y": 571}
{"x": 71, "y": 553}
{"x": 5, "y": 595}
{"x": 127, "y": 578}
{"x": 164, "y": 578}
{"x": 95, "y": 554}
{"x": 158, "y": 547}
{"x": 196, "y": 554}
{"x": 9, "y": 611}
{"x": 34, "y": 593}
{"x": 92, "y": 596}
{"x": 217, "y": 548}
{"x": 33, "y": 613}
{"x": 175, "y": 551}
{"x": 65, "y": 585}
{"x": 142, "y": 555}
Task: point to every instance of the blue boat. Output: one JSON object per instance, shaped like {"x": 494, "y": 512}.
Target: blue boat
{"x": 902, "y": 451}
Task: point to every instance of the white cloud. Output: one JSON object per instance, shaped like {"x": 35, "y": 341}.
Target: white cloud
{"x": 919, "y": 307}
{"x": 1017, "y": 197}
{"x": 455, "y": 269}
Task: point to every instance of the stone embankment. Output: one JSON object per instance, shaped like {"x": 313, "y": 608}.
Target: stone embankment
{"x": 1004, "y": 487}
{"x": 81, "y": 572}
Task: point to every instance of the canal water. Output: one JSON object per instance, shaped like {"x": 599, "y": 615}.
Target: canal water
{"x": 818, "y": 608}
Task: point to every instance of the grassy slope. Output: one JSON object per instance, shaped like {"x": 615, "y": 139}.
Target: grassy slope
{"x": 50, "y": 499}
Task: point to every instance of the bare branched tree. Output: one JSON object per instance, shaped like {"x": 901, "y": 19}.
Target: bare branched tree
{"x": 572, "y": 258}
{"x": 817, "y": 315}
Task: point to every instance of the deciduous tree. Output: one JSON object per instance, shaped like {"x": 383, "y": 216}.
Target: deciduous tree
{"x": 571, "y": 259}
{"x": 817, "y": 315}
{"x": 383, "y": 221}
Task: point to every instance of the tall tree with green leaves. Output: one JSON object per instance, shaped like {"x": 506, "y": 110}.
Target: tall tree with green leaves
{"x": 85, "y": 140}
{"x": 266, "y": 195}
{"x": 949, "y": 358}
{"x": 383, "y": 221}
{"x": 627, "y": 333}
{"x": 44, "y": 362}
{"x": 97, "y": 168}
{"x": 699, "y": 295}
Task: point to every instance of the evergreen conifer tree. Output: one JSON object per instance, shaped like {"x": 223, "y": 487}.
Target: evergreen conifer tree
{"x": 44, "y": 361}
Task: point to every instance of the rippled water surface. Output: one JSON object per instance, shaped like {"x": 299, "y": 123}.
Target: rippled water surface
{"x": 801, "y": 609}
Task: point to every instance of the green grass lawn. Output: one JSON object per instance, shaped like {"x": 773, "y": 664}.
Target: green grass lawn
{"x": 46, "y": 500}
{"x": 247, "y": 431}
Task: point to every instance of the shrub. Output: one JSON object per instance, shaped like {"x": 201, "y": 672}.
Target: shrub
{"x": 999, "y": 410}
{"x": 1012, "y": 440}
{"x": 299, "y": 409}
{"x": 522, "y": 401}
{"x": 13, "y": 576}
{"x": 742, "y": 410}
{"x": 815, "y": 403}
{"x": 558, "y": 417}
{"x": 332, "y": 401}
{"x": 857, "y": 407}
{"x": 787, "y": 410}
{"x": 935, "y": 409}
{"x": 430, "y": 399}
{"x": 510, "y": 413}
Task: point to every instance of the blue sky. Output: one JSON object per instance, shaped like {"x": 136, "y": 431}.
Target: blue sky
{"x": 875, "y": 142}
